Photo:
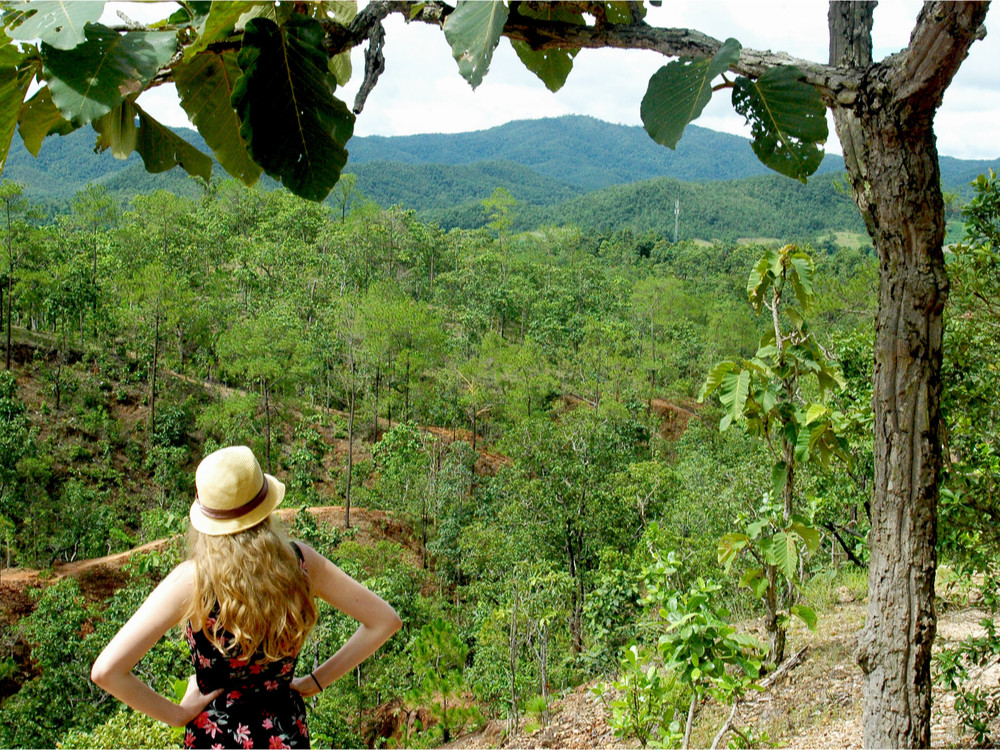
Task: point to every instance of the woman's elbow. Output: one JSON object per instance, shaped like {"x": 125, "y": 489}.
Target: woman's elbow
{"x": 392, "y": 623}
{"x": 99, "y": 674}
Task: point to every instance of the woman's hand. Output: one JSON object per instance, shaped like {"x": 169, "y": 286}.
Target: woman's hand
{"x": 194, "y": 701}
{"x": 305, "y": 686}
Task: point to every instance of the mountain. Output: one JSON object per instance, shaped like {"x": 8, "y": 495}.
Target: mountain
{"x": 551, "y": 166}
{"x": 577, "y": 150}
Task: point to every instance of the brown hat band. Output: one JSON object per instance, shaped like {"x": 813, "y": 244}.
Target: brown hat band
{"x": 227, "y": 514}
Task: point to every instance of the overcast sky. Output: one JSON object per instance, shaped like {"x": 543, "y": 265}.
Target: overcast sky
{"x": 422, "y": 92}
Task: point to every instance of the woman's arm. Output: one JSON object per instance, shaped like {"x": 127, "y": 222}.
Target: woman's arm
{"x": 378, "y": 620}
{"x": 112, "y": 671}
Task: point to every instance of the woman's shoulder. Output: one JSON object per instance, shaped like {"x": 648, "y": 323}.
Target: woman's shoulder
{"x": 182, "y": 575}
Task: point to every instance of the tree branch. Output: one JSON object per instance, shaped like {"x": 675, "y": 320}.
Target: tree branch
{"x": 938, "y": 45}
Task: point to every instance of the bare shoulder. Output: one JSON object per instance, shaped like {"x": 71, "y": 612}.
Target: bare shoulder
{"x": 182, "y": 573}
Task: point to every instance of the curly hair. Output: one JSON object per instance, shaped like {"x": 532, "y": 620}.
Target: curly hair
{"x": 250, "y": 595}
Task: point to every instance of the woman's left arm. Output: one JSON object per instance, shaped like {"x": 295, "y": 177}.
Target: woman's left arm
{"x": 112, "y": 671}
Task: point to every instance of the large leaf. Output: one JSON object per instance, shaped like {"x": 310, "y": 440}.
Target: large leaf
{"x": 779, "y": 478}
{"x": 38, "y": 118}
{"x": 802, "y": 279}
{"x": 552, "y": 66}
{"x": 806, "y": 614}
{"x": 733, "y": 393}
{"x": 714, "y": 379}
{"x": 766, "y": 270}
{"x": 292, "y": 124}
{"x": 730, "y": 545}
{"x": 206, "y": 85}
{"x": 91, "y": 79}
{"x": 473, "y": 30}
{"x": 161, "y": 149}
{"x": 13, "y": 88}
{"x": 678, "y": 92}
{"x": 58, "y": 23}
{"x": 810, "y": 535}
{"x": 787, "y": 119}
{"x": 220, "y": 23}
{"x": 784, "y": 554}
{"x": 116, "y": 130}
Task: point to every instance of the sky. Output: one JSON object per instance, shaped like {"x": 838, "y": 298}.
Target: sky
{"x": 421, "y": 90}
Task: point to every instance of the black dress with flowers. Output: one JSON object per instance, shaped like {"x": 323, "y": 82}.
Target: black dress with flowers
{"x": 258, "y": 707}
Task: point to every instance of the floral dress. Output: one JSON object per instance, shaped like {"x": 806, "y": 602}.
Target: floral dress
{"x": 258, "y": 707}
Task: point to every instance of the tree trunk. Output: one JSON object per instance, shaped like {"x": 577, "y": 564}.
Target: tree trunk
{"x": 267, "y": 424}
{"x": 350, "y": 448}
{"x": 378, "y": 375}
{"x": 152, "y": 380}
{"x": 889, "y": 148}
{"x": 895, "y": 646}
{"x": 10, "y": 296}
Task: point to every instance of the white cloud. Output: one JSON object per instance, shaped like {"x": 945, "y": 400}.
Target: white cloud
{"x": 422, "y": 92}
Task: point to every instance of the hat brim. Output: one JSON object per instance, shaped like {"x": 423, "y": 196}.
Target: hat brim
{"x": 219, "y": 527}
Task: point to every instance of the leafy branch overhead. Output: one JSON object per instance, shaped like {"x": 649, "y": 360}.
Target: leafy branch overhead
{"x": 259, "y": 79}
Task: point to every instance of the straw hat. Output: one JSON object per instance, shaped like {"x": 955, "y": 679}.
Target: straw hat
{"x": 233, "y": 494}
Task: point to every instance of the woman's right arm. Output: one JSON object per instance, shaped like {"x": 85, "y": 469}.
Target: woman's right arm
{"x": 378, "y": 620}
{"x": 163, "y": 609}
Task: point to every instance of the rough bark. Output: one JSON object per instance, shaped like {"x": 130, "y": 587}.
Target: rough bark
{"x": 889, "y": 148}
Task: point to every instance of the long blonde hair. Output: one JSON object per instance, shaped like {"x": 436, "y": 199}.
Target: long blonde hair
{"x": 252, "y": 585}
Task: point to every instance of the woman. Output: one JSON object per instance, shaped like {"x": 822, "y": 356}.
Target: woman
{"x": 246, "y": 594}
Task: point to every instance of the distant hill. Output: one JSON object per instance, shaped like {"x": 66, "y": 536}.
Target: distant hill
{"x": 551, "y": 166}
{"x": 770, "y": 206}
{"x": 577, "y": 150}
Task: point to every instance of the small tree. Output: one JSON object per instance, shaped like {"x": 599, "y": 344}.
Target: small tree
{"x": 767, "y": 395}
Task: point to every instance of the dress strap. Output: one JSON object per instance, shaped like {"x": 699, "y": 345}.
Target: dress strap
{"x": 298, "y": 552}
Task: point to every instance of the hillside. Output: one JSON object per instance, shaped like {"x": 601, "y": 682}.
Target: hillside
{"x": 769, "y": 206}
{"x": 578, "y": 150}
{"x": 541, "y": 162}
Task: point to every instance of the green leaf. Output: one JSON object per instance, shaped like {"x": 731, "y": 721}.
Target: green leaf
{"x": 11, "y": 54}
{"x": 764, "y": 272}
{"x": 88, "y": 81}
{"x": 161, "y": 149}
{"x": 340, "y": 68}
{"x": 116, "y": 130}
{"x": 292, "y": 124}
{"x": 13, "y": 88}
{"x": 38, "y": 118}
{"x": 802, "y": 442}
{"x": 815, "y": 411}
{"x": 618, "y": 12}
{"x": 219, "y": 24}
{"x": 802, "y": 279}
{"x": 810, "y": 535}
{"x": 779, "y": 477}
{"x": 714, "y": 379}
{"x": 205, "y": 85}
{"x": 58, "y": 23}
{"x": 806, "y": 614}
{"x": 787, "y": 119}
{"x": 729, "y": 546}
{"x": 180, "y": 689}
{"x": 784, "y": 554}
{"x": 678, "y": 92}
{"x": 552, "y": 66}
{"x": 473, "y": 30}
{"x": 733, "y": 393}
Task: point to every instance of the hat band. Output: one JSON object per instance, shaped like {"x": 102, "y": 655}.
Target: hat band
{"x": 225, "y": 514}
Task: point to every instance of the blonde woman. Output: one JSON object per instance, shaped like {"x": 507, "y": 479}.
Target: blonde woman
{"x": 246, "y": 596}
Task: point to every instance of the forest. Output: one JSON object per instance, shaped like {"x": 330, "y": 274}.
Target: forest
{"x": 565, "y": 457}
